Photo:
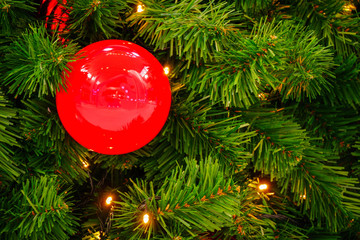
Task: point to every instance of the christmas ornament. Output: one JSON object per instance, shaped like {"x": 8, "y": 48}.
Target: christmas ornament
{"x": 118, "y": 97}
{"x": 56, "y": 14}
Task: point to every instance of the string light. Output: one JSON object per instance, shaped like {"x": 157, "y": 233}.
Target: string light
{"x": 140, "y": 8}
{"x": 349, "y": 7}
{"x": 262, "y": 96}
{"x": 303, "y": 196}
{"x": 146, "y": 218}
{"x": 263, "y": 187}
{"x": 86, "y": 164}
{"x": 97, "y": 235}
{"x": 109, "y": 200}
{"x": 166, "y": 70}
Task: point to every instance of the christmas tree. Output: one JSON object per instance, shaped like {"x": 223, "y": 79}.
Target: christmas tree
{"x": 261, "y": 142}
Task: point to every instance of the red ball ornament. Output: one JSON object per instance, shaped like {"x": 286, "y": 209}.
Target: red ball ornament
{"x": 56, "y": 14}
{"x": 118, "y": 97}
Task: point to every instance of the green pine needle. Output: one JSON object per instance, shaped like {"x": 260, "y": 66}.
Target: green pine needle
{"x": 356, "y": 167}
{"x": 92, "y": 19}
{"x": 9, "y": 137}
{"x": 204, "y": 29}
{"x": 198, "y": 129}
{"x": 346, "y": 85}
{"x": 334, "y": 127}
{"x": 280, "y": 142}
{"x": 182, "y": 208}
{"x": 323, "y": 190}
{"x": 255, "y": 7}
{"x": 41, "y": 124}
{"x": 16, "y": 14}
{"x": 35, "y": 64}
{"x": 45, "y": 213}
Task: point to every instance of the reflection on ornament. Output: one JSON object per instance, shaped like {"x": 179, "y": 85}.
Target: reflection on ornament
{"x": 117, "y": 98}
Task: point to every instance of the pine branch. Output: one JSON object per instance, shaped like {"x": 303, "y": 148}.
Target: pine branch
{"x": 330, "y": 22}
{"x": 336, "y": 127}
{"x": 70, "y": 160}
{"x": 35, "y": 63}
{"x": 250, "y": 223}
{"x": 200, "y": 129}
{"x": 207, "y": 206}
{"x": 282, "y": 56}
{"x": 254, "y": 8}
{"x": 190, "y": 205}
{"x": 9, "y": 135}
{"x": 164, "y": 157}
{"x": 308, "y": 68}
{"x": 356, "y": 153}
{"x": 41, "y": 125}
{"x": 67, "y": 164}
{"x": 47, "y": 143}
{"x": 237, "y": 75}
{"x": 16, "y": 14}
{"x": 322, "y": 189}
{"x": 345, "y": 38}
{"x": 280, "y": 142}
{"x": 289, "y": 230}
{"x": 45, "y": 213}
{"x": 346, "y": 85}
{"x": 318, "y": 10}
{"x": 320, "y": 235}
{"x": 124, "y": 161}
{"x": 204, "y": 29}
{"x": 353, "y": 231}
{"x": 96, "y": 20}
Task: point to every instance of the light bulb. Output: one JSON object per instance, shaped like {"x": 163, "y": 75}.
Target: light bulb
{"x": 349, "y": 7}
{"x": 140, "y": 8}
{"x": 146, "y": 218}
{"x": 263, "y": 187}
{"x": 86, "y": 164}
{"x": 166, "y": 70}
{"x": 109, "y": 200}
{"x": 97, "y": 235}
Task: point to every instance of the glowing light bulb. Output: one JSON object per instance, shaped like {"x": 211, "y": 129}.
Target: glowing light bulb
{"x": 166, "y": 70}
{"x": 146, "y": 218}
{"x": 263, "y": 187}
{"x": 140, "y": 8}
{"x": 109, "y": 200}
{"x": 349, "y": 7}
{"x": 86, "y": 164}
{"x": 303, "y": 196}
{"x": 97, "y": 235}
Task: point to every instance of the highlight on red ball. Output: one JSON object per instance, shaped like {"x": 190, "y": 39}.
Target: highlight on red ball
{"x": 118, "y": 97}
